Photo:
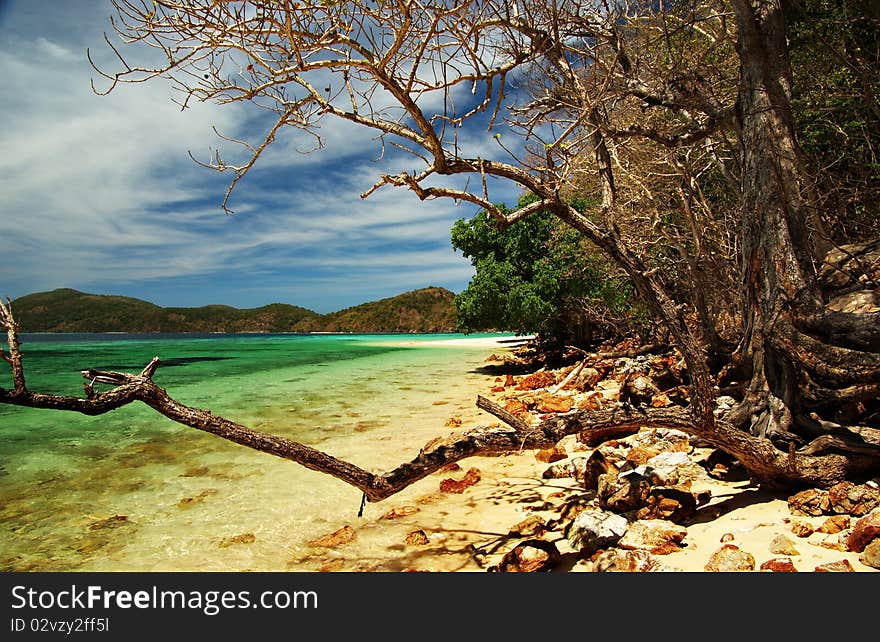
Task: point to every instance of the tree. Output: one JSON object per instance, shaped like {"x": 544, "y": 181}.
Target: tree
{"x": 539, "y": 275}
{"x": 577, "y": 90}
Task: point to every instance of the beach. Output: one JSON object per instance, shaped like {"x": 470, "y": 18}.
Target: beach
{"x": 473, "y": 530}
{"x": 118, "y": 495}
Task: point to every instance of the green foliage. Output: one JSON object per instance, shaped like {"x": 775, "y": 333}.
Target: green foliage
{"x": 536, "y": 276}
{"x": 835, "y": 59}
{"x": 65, "y": 310}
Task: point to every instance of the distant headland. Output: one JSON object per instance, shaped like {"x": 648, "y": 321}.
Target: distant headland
{"x": 427, "y": 310}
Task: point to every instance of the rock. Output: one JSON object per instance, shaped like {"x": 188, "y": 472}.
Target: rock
{"x": 471, "y": 477}
{"x": 450, "y": 468}
{"x": 864, "y": 531}
{"x": 453, "y": 422}
{"x": 657, "y": 536}
{"x": 802, "y": 529}
{"x": 781, "y": 545}
{"x": 587, "y": 378}
{"x": 244, "y": 538}
{"x": 671, "y": 468}
{"x": 638, "y": 389}
{"x": 639, "y": 455}
{"x": 590, "y": 401}
{"x": 517, "y": 408}
{"x": 509, "y": 381}
{"x": 673, "y": 504}
{"x": 843, "y": 566}
{"x": 660, "y": 400}
{"x": 871, "y": 555}
{"x": 593, "y": 529}
{"x": 730, "y": 558}
{"x": 416, "y": 538}
{"x": 558, "y": 471}
{"x": 627, "y": 561}
{"x": 578, "y": 466}
{"x": 853, "y": 499}
{"x": 401, "y": 511}
{"x": 597, "y": 464}
{"x": 531, "y": 526}
{"x": 727, "y": 537}
{"x": 552, "y": 403}
{"x": 536, "y": 381}
{"x": 530, "y": 556}
{"x": 779, "y": 565}
{"x": 622, "y": 493}
{"x": 834, "y": 524}
{"x": 549, "y": 455}
{"x": 813, "y": 501}
{"x": 338, "y": 537}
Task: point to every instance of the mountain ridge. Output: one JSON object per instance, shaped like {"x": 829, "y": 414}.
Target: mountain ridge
{"x": 425, "y": 310}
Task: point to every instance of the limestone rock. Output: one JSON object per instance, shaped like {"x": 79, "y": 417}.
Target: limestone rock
{"x": 802, "y": 529}
{"x": 853, "y": 499}
{"x": 871, "y": 555}
{"x": 536, "y": 380}
{"x": 781, "y": 545}
{"x": 400, "y": 511}
{"x": 558, "y": 471}
{"x": 597, "y": 464}
{"x": 657, "y": 536}
{"x": 627, "y": 561}
{"x": 417, "y": 538}
{"x": 593, "y": 529}
{"x": 779, "y": 565}
{"x": 336, "y": 538}
{"x": 530, "y": 556}
{"x": 471, "y": 477}
{"x": 843, "y": 566}
{"x": 554, "y": 403}
{"x": 531, "y": 526}
{"x": 622, "y": 493}
{"x": 674, "y": 504}
{"x": 813, "y": 501}
{"x": 864, "y": 531}
{"x": 834, "y": 524}
{"x": 730, "y": 558}
{"x": 587, "y": 378}
{"x": 549, "y": 455}
{"x": 518, "y": 408}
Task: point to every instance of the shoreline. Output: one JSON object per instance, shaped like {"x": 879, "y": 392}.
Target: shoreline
{"x": 513, "y": 489}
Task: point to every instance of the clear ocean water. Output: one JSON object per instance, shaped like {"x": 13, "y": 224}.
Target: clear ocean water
{"x": 131, "y": 490}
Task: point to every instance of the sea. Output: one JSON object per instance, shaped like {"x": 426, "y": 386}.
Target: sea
{"x": 133, "y": 491}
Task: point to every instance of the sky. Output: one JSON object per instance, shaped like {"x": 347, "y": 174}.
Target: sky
{"x": 100, "y": 193}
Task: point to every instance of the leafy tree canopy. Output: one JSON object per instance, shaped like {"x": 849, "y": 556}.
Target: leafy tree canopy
{"x": 537, "y": 275}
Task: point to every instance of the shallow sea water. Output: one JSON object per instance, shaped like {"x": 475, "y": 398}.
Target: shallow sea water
{"x": 133, "y": 491}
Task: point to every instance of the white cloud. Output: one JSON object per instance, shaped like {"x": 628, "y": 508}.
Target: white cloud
{"x": 100, "y": 191}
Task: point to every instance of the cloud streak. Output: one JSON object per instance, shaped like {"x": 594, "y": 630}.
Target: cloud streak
{"x": 100, "y": 194}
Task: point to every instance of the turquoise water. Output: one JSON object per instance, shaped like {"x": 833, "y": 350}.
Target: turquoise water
{"x": 131, "y": 490}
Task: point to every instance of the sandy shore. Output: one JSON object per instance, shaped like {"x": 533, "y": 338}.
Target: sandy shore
{"x": 424, "y": 529}
{"x": 502, "y": 342}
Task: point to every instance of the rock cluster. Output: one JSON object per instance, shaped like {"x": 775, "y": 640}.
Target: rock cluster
{"x": 638, "y": 493}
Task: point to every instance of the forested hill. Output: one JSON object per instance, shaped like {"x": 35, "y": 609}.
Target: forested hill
{"x": 65, "y": 310}
{"x": 426, "y": 310}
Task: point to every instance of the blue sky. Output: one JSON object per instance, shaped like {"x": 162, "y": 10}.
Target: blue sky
{"x": 100, "y": 194}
